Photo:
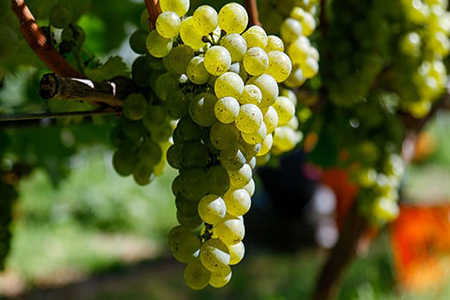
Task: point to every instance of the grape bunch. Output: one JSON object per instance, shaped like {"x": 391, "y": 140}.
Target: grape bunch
{"x": 220, "y": 81}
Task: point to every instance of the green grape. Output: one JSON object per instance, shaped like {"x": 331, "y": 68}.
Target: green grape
{"x": 230, "y": 230}
{"x": 274, "y": 43}
{"x": 195, "y": 154}
{"x": 256, "y": 137}
{"x": 134, "y": 130}
{"x": 214, "y": 256}
{"x": 250, "y": 95}
{"x": 61, "y": 15}
{"x": 144, "y": 20}
{"x": 224, "y": 135}
{"x": 206, "y": 139}
{"x": 143, "y": 174}
{"x": 124, "y": 161}
{"x": 237, "y": 252}
{"x": 205, "y": 19}
{"x": 194, "y": 183}
{"x": 183, "y": 243}
{"x": 256, "y": 61}
{"x": 219, "y": 182}
{"x": 185, "y": 206}
{"x": 138, "y": 41}
{"x": 266, "y": 145}
{"x": 201, "y": 109}
{"x": 236, "y": 46}
{"x": 229, "y": 84}
{"x": 290, "y": 30}
{"x": 290, "y": 95}
{"x": 150, "y": 153}
{"x": 157, "y": 45}
{"x": 270, "y": 118}
{"x": 196, "y": 275}
{"x": 176, "y": 185}
{"x": 120, "y": 139}
{"x": 134, "y": 106}
{"x": 155, "y": 116}
{"x": 385, "y": 209}
{"x": 177, "y": 104}
{"x": 285, "y": 139}
{"x": 255, "y": 36}
{"x": 232, "y": 158}
{"x": 250, "y": 187}
{"x": 241, "y": 177}
{"x": 263, "y": 159}
{"x": 268, "y": 87}
{"x": 293, "y": 123}
{"x": 249, "y": 150}
{"x": 174, "y": 155}
{"x": 212, "y": 209}
{"x": 168, "y": 24}
{"x": 237, "y": 201}
{"x": 180, "y": 57}
{"x": 180, "y": 7}
{"x": 226, "y": 110}
{"x": 285, "y": 110}
{"x": 308, "y": 24}
{"x": 296, "y": 78}
{"x": 219, "y": 280}
{"x": 196, "y": 71}
{"x": 314, "y": 53}
{"x": 310, "y": 67}
{"x": 190, "y": 34}
{"x": 187, "y": 130}
{"x": 233, "y": 18}
{"x": 299, "y": 50}
{"x": 217, "y": 60}
{"x": 249, "y": 119}
{"x": 164, "y": 84}
{"x": 280, "y": 65}
{"x": 190, "y": 222}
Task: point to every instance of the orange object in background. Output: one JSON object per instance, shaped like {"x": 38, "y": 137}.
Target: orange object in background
{"x": 421, "y": 247}
{"x": 424, "y": 146}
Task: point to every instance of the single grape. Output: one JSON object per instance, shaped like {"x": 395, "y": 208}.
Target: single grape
{"x": 256, "y": 61}
{"x": 296, "y": 78}
{"x": 183, "y": 243}
{"x": 217, "y": 60}
{"x": 237, "y": 202}
{"x": 249, "y": 119}
{"x": 187, "y": 130}
{"x": 241, "y": 177}
{"x": 138, "y": 41}
{"x": 196, "y": 275}
{"x": 174, "y": 155}
{"x": 219, "y": 280}
{"x": 266, "y": 145}
{"x": 230, "y": 230}
{"x": 194, "y": 154}
{"x": 270, "y": 118}
{"x": 219, "y": 182}
{"x": 150, "y": 153}
{"x": 233, "y": 18}
{"x": 285, "y": 110}
{"x": 229, "y": 84}
{"x": 232, "y": 158}
{"x": 143, "y": 174}
{"x": 180, "y": 57}
{"x": 177, "y": 104}
{"x": 290, "y": 30}
{"x": 237, "y": 252}
{"x": 308, "y": 24}
{"x": 194, "y": 183}
{"x": 224, "y": 135}
{"x": 226, "y": 110}
{"x": 274, "y": 43}
{"x": 201, "y": 109}
{"x": 134, "y": 106}
{"x": 236, "y": 46}
{"x": 250, "y": 95}
{"x": 299, "y": 50}
{"x": 310, "y": 67}
{"x": 180, "y": 7}
{"x": 255, "y": 36}
{"x": 168, "y": 24}
{"x": 196, "y": 71}
{"x": 61, "y": 15}
{"x": 155, "y": 116}
{"x": 250, "y": 187}
{"x": 124, "y": 161}
{"x": 189, "y": 222}
{"x": 205, "y": 19}
{"x": 190, "y": 34}
{"x": 212, "y": 209}
{"x": 256, "y": 137}
{"x": 157, "y": 45}
{"x": 280, "y": 65}
{"x": 268, "y": 87}
{"x": 214, "y": 256}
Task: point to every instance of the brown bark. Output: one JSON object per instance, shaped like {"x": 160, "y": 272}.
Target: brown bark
{"x": 252, "y": 10}
{"x": 154, "y": 10}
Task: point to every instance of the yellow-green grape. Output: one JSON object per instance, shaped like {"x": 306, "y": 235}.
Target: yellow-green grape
{"x": 268, "y": 87}
{"x": 296, "y": 78}
{"x": 183, "y": 243}
{"x": 280, "y": 65}
{"x": 250, "y": 187}
{"x": 137, "y": 40}
{"x": 241, "y": 177}
{"x": 410, "y": 44}
{"x": 255, "y": 36}
{"x": 256, "y": 137}
{"x": 298, "y": 13}
{"x": 288, "y": 93}
{"x": 270, "y": 118}
{"x": 366, "y": 177}
{"x": 223, "y": 135}
{"x": 168, "y": 24}
{"x": 194, "y": 183}
{"x": 299, "y": 50}
{"x": 189, "y": 222}
{"x": 230, "y": 230}
{"x": 124, "y": 161}
{"x": 212, "y": 209}
{"x": 196, "y": 275}
{"x": 255, "y": 61}
{"x": 180, "y": 57}
{"x": 196, "y": 71}
{"x": 229, "y": 84}
{"x": 144, "y": 20}
{"x": 237, "y": 252}
{"x": 266, "y": 145}
{"x": 310, "y": 67}
{"x": 201, "y": 109}
{"x": 226, "y": 110}
{"x": 249, "y": 150}
{"x": 236, "y": 45}
{"x": 293, "y": 123}
{"x": 233, "y": 18}
{"x": 180, "y": 7}
{"x": 217, "y": 60}
{"x": 290, "y": 30}
{"x": 249, "y": 119}
{"x": 285, "y": 139}
{"x": 440, "y": 44}
{"x": 438, "y": 71}
{"x": 190, "y": 35}
{"x": 274, "y": 43}
{"x": 238, "y": 202}
{"x": 157, "y": 45}
{"x": 219, "y": 280}
{"x": 134, "y": 107}
{"x": 250, "y": 95}
{"x": 285, "y": 110}
{"x": 314, "y": 53}
{"x": 232, "y": 158}
{"x": 308, "y": 24}
{"x": 385, "y": 209}
{"x": 219, "y": 182}
{"x": 214, "y": 256}
{"x": 206, "y": 19}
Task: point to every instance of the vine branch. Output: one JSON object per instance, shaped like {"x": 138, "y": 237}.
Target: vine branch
{"x": 252, "y": 9}
{"x": 39, "y": 42}
{"x": 154, "y": 10}
{"x": 54, "y": 115}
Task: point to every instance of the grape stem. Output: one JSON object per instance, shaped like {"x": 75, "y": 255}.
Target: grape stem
{"x": 40, "y": 44}
{"x": 252, "y": 10}
{"x": 154, "y": 10}
{"x": 110, "y": 93}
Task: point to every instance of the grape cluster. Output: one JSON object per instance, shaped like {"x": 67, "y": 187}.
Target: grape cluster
{"x": 220, "y": 80}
